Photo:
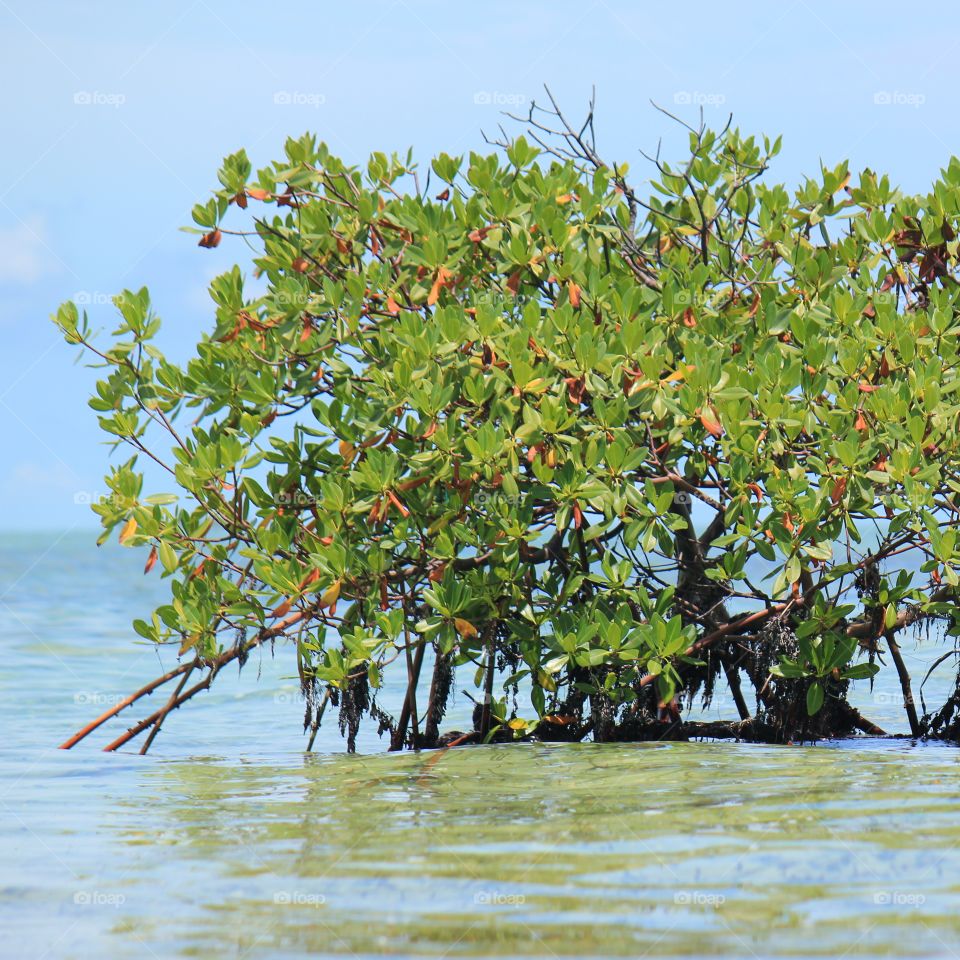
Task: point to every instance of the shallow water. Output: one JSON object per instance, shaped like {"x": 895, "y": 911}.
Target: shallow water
{"x": 228, "y": 841}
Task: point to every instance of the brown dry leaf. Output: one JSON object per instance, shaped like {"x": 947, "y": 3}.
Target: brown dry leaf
{"x": 211, "y": 239}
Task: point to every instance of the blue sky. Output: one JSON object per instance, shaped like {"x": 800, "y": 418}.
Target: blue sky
{"x": 116, "y": 116}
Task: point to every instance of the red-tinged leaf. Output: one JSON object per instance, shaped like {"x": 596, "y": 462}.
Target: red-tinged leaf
{"x": 282, "y": 610}
{"x": 860, "y": 423}
{"x": 839, "y": 489}
{"x": 384, "y": 598}
{"x": 757, "y": 490}
{"x": 312, "y": 577}
{"x": 573, "y": 291}
{"x": 392, "y": 306}
{"x": 269, "y": 418}
{"x": 241, "y": 201}
{"x": 436, "y": 573}
{"x": 577, "y": 515}
{"x": 301, "y": 264}
{"x": 326, "y": 541}
{"x": 868, "y": 387}
{"x": 575, "y": 388}
{"x": 935, "y": 575}
{"x": 151, "y": 560}
{"x": 395, "y": 500}
{"x": 431, "y": 430}
{"x": 689, "y": 318}
{"x": 711, "y": 422}
{"x": 211, "y": 239}
{"x": 884, "y": 367}
{"x": 566, "y": 198}
{"x": 258, "y": 194}
{"x": 513, "y": 284}
{"x": 444, "y": 194}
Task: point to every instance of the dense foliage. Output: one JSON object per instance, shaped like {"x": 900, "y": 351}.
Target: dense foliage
{"x": 613, "y": 451}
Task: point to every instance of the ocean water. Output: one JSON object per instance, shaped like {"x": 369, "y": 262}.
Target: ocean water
{"x": 227, "y": 840}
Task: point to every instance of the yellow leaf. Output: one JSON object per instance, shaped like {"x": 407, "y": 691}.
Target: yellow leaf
{"x": 517, "y": 724}
{"x": 129, "y": 529}
{"x": 331, "y": 594}
{"x": 347, "y": 450}
{"x": 464, "y": 627}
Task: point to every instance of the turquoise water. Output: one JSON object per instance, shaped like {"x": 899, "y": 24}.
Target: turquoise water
{"x": 229, "y": 841}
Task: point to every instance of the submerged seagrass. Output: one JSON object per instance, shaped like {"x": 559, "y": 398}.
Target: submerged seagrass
{"x": 615, "y": 452}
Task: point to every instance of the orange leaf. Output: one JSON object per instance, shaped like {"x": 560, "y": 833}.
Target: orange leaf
{"x": 301, "y": 265}
{"x": 868, "y": 387}
{"x": 347, "y": 450}
{"x": 689, "y": 317}
{"x": 151, "y": 560}
{"x": 392, "y": 306}
{"x": 129, "y": 529}
{"x": 211, "y": 239}
{"x": 396, "y": 502}
{"x": 711, "y": 422}
{"x": 884, "y": 367}
{"x": 839, "y": 489}
{"x": 513, "y": 284}
{"x": 860, "y": 423}
{"x": 573, "y": 289}
{"x": 282, "y": 610}
{"x": 464, "y": 627}
{"x": 443, "y": 280}
{"x": 257, "y": 193}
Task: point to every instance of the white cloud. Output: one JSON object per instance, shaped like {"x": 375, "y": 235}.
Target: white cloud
{"x": 23, "y": 256}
